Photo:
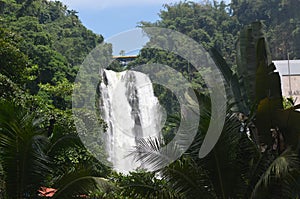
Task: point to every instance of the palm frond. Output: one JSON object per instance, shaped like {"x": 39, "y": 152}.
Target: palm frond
{"x": 221, "y": 162}
{"x": 141, "y": 184}
{"x": 80, "y": 181}
{"x": 22, "y": 150}
{"x": 60, "y": 141}
{"x": 154, "y": 154}
{"x": 189, "y": 179}
{"x": 284, "y": 168}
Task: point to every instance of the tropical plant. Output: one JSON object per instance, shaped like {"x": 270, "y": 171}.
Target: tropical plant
{"x": 22, "y": 146}
{"x": 27, "y": 158}
{"x": 142, "y": 184}
{"x": 257, "y": 153}
{"x": 260, "y": 93}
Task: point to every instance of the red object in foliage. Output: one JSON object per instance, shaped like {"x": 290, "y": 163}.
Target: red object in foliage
{"x": 48, "y": 192}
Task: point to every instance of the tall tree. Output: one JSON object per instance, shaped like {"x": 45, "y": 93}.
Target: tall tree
{"x": 281, "y": 19}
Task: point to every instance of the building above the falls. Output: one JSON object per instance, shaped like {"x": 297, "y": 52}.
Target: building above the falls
{"x": 125, "y": 59}
{"x": 289, "y": 71}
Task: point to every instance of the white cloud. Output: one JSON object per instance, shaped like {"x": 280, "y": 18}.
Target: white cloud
{"x": 98, "y": 4}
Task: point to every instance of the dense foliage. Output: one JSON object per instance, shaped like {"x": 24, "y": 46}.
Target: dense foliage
{"x": 282, "y": 23}
{"x": 43, "y": 43}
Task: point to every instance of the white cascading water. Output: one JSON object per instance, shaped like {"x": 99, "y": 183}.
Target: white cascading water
{"x": 131, "y": 111}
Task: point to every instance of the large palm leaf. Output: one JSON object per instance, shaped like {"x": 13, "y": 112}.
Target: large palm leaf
{"x": 278, "y": 176}
{"x": 22, "y": 155}
{"x": 79, "y": 181}
{"x": 188, "y": 179}
{"x": 75, "y": 179}
{"x": 26, "y": 157}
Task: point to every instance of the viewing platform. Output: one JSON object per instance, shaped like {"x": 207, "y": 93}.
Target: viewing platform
{"x": 125, "y": 59}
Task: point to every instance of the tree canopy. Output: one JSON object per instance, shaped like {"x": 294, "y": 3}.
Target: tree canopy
{"x": 42, "y": 45}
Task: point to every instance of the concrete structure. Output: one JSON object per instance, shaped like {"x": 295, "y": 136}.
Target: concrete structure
{"x": 289, "y": 71}
{"x": 125, "y": 59}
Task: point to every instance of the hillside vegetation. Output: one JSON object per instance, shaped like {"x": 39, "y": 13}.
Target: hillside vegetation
{"x": 42, "y": 45}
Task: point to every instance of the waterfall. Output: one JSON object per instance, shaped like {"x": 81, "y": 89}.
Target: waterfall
{"x": 131, "y": 111}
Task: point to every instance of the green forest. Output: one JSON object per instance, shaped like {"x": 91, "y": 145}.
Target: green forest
{"x": 42, "y": 46}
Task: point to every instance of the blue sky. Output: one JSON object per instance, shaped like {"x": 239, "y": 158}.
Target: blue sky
{"x": 110, "y": 17}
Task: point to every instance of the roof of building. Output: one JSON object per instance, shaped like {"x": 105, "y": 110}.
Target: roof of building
{"x": 125, "y": 57}
{"x": 282, "y": 67}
